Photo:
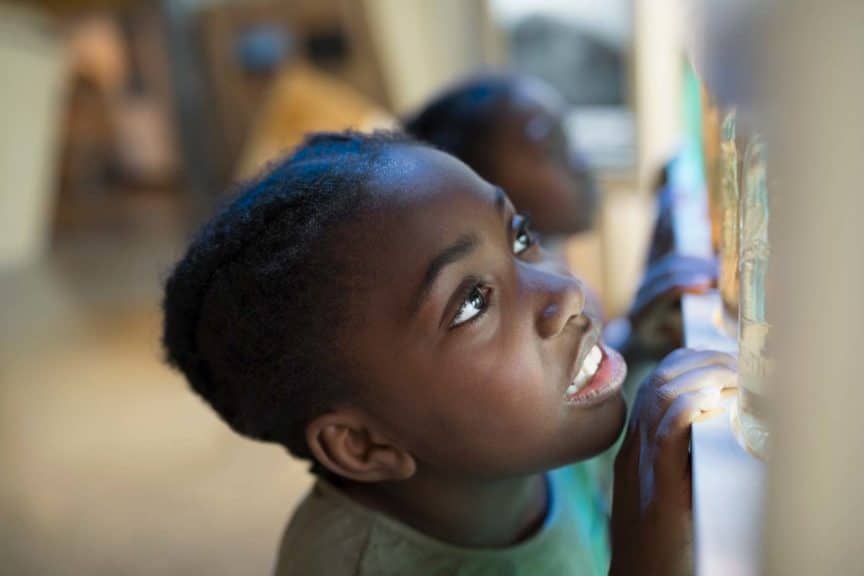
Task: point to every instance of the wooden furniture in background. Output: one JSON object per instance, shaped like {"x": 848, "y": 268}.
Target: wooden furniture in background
{"x": 329, "y": 35}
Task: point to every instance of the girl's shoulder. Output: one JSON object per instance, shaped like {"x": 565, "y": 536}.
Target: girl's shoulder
{"x": 327, "y": 534}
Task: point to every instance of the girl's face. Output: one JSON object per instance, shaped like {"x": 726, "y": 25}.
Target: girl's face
{"x": 533, "y": 160}
{"x": 468, "y": 338}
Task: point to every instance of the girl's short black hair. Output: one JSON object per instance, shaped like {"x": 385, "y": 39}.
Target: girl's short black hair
{"x": 462, "y": 120}
{"x": 253, "y": 310}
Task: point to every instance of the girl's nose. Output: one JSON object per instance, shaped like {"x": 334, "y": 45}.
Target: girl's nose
{"x": 559, "y": 296}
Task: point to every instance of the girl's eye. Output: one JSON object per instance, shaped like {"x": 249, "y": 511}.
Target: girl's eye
{"x": 523, "y": 238}
{"x": 474, "y": 304}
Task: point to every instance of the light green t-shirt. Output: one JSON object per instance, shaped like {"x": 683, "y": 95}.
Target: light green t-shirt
{"x": 333, "y": 535}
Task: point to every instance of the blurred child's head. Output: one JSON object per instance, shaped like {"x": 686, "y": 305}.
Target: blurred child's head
{"x": 373, "y": 305}
{"x": 510, "y": 130}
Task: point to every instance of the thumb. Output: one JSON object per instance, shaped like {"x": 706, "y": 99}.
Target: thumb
{"x": 673, "y": 434}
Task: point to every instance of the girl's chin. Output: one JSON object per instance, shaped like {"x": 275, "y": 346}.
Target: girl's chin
{"x": 605, "y": 427}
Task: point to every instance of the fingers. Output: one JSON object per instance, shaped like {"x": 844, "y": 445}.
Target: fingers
{"x": 684, "y": 409}
{"x": 673, "y": 433}
{"x": 713, "y": 376}
{"x": 670, "y": 277}
{"x": 684, "y": 360}
{"x": 681, "y": 373}
{"x": 675, "y": 265}
{"x": 671, "y": 287}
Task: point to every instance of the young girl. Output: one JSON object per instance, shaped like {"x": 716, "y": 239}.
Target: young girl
{"x": 378, "y": 309}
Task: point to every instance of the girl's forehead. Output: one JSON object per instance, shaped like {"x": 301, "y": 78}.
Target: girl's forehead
{"x": 418, "y": 176}
{"x": 427, "y": 202}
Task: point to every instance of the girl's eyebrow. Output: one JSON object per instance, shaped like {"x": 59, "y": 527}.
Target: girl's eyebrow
{"x": 458, "y": 250}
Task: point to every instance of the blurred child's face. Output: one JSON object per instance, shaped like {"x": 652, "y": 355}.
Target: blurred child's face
{"x": 468, "y": 336}
{"x": 532, "y": 160}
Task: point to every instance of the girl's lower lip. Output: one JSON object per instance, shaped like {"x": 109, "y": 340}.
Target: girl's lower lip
{"x": 606, "y": 381}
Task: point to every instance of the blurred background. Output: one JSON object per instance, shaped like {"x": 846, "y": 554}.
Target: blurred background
{"x": 124, "y": 124}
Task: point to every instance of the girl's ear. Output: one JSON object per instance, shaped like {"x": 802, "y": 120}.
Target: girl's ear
{"x": 346, "y": 443}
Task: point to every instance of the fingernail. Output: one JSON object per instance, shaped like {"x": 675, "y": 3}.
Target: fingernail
{"x": 709, "y": 399}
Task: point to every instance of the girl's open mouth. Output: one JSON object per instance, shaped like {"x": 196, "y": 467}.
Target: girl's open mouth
{"x": 601, "y": 375}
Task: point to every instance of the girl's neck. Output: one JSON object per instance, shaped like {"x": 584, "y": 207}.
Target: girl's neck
{"x": 470, "y": 513}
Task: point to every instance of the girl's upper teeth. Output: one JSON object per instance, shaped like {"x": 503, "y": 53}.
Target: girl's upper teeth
{"x": 588, "y": 369}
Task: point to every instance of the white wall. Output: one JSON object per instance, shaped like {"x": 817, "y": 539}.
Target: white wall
{"x": 31, "y": 68}
{"x": 423, "y": 46}
{"x": 805, "y": 62}
{"x": 658, "y": 72}
{"x": 609, "y": 19}
{"x": 816, "y": 148}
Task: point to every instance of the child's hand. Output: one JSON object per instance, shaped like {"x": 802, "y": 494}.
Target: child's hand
{"x": 655, "y": 317}
{"x": 651, "y": 519}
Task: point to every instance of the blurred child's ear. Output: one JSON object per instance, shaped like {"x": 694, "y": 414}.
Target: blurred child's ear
{"x": 346, "y": 443}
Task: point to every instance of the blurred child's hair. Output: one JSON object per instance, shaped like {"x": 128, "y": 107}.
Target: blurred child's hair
{"x": 253, "y": 310}
{"x": 462, "y": 120}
